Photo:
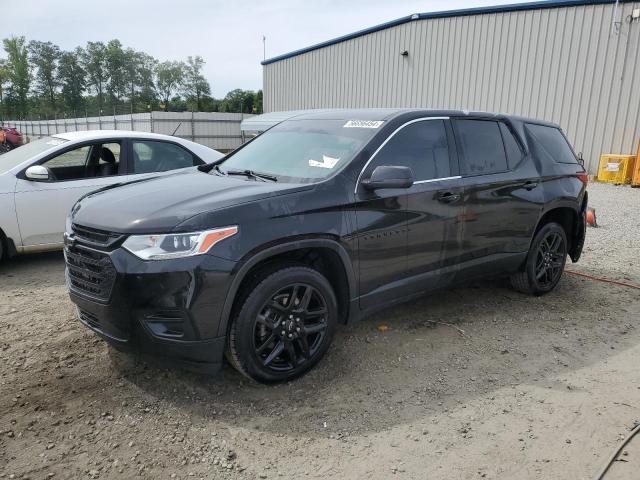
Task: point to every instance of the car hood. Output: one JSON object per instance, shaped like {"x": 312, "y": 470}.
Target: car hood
{"x": 160, "y": 204}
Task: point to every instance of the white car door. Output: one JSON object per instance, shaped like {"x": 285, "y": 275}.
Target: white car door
{"x": 42, "y": 206}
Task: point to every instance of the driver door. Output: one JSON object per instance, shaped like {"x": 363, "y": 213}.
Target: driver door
{"x": 42, "y": 206}
{"x": 408, "y": 237}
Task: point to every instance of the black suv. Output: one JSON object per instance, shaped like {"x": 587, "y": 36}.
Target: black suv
{"x": 324, "y": 218}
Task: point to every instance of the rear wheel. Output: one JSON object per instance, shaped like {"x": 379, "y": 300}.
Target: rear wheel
{"x": 545, "y": 261}
{"x": 284, "y": 325}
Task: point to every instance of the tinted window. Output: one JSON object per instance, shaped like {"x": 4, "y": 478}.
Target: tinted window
{"x": 421, "y": 146}
{"x": 480, "y": 142}
{"x": 549, "y": 142}
{"x": 511, "y": 146}
{"x": 151, "y": 156}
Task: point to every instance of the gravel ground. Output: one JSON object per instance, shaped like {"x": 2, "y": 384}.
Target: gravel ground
{"x": 505, "y": 386}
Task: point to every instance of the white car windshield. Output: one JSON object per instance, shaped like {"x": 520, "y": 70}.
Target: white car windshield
{"x": 29, "y": 150}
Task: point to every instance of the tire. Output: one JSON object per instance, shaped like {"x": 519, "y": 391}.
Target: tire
{"x": 273, "y": 339}
{"x": 545, "y": 261}
{"x": 3, "y": 246}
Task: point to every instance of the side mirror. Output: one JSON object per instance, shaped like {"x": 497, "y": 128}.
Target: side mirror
{"x": 386, "y": 176}
{"x": 37, "y": 172}
{"x": 580, "y": 159}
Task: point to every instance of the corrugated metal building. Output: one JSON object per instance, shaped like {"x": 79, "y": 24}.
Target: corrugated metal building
{"x": 576, "y": 63}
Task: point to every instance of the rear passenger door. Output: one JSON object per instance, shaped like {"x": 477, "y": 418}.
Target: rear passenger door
{"x": 502, "y": 196}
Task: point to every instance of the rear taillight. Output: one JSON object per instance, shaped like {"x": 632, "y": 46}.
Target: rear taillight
{"x": 583, "y": 177}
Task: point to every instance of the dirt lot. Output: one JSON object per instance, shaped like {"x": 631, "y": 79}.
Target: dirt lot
{"x": 528, "y": 388}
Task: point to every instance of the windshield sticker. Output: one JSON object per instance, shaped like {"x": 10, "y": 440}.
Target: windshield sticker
{"x": 327, "y": 162}
{"x": 363, "y": 124}
{"x": 54, "y": 141}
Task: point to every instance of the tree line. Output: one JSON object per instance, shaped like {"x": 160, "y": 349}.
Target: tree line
{"x": 40, "y": 80}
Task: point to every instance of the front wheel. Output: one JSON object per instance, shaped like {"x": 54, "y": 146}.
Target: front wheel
{"x": 284, "y": 325}
{"x": 545, "y": 261}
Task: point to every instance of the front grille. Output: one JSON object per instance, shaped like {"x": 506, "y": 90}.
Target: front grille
{"x": 94, "y": 236}
{"x": 90, "y": 272}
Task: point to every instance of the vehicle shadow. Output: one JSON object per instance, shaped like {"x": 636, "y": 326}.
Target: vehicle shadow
{"x": 405, "y": 363}
{"x": 415, "y": 360}
{"x": 46, "y": 265}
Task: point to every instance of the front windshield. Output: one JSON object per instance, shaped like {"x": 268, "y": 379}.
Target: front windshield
{"x": 15, "y": 157}
{"x": 302, "y": 150}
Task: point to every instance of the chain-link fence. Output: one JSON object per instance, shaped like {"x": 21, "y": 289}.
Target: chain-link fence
{"x": 213, "y": 129}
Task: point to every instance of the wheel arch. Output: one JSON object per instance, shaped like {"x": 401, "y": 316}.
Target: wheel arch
{"x": 568, "y": 215}
{"x": 326, "y": 255}
{"x": 8, "y": 247}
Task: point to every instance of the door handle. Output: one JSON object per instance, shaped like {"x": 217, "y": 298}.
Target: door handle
{"x": 448, "y": 197}
{"x": 530, "y": 185}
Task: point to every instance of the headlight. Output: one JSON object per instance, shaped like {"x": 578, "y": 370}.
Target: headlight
{"x": 176, "y": 245}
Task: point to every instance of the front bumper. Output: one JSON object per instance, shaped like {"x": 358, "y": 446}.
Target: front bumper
{"x": 170, "y": 309}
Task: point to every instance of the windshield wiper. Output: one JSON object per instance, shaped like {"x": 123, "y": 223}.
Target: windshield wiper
{"x": 252, "y": 174}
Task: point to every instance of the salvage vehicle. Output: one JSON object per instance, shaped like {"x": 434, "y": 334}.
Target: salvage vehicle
{"x": 4, "y": 145}
{"x": 320, "y": 220}
{"x": 40, "y": 181}
{"x": 12, "y": 137}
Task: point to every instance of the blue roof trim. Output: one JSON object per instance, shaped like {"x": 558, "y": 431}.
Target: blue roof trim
{"x": 513, "y": 7}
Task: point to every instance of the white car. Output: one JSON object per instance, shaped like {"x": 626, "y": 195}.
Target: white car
{"x": 40, "y": 181}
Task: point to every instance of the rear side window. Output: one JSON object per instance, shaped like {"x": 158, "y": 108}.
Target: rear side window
{"x": 421, "y": 146}
{"x": 511, "y": 146}
{"x": 480, "y": 142}
{"x": 550, "y": 142}
{"x": 151, "y": 156}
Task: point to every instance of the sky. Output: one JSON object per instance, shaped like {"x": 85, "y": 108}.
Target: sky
{"x": 227, "y": 34}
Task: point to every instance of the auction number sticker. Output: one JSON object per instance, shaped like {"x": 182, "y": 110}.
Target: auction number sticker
{"x": 363, "y": 124}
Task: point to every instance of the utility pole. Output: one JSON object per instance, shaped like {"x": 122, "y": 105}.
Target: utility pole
{"x": 264, "y": 47}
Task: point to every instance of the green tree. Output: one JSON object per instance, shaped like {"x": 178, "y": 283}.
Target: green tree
{"x": 4, "y": 80}
{"x": 115, "y": 63}
{"x": 140, "y": 68}
{"x": 238, "y": 100}
{"x": 170, "y": 75}
{"x": 195, "y": 86}
{"x": 257, "y": 107}
{"x": 72, "y": 79}
{"x": 19, "y": 74}
{"x": 44, "y": 57}
{"x": 94, "y": 64}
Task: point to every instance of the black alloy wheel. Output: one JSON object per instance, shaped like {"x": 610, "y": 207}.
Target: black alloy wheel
{"x": 284, "y": 326}
{"x": 290, "y": 327}
{"x": 550, "y": 258}
{"x": 545, "y": 261}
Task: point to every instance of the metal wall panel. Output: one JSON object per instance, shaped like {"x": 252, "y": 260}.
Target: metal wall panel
{"x": 566, "y": 65}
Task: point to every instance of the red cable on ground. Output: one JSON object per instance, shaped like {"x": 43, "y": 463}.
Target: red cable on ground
{"x": 602, "y": 279}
